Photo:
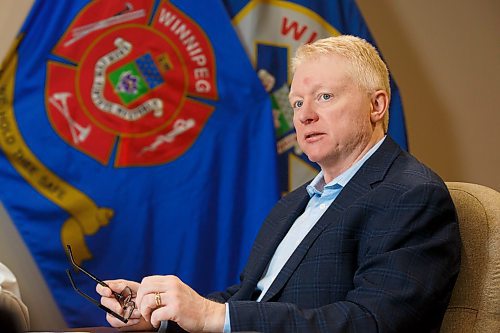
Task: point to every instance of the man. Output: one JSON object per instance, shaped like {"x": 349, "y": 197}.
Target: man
{"x": 370, "y": 245}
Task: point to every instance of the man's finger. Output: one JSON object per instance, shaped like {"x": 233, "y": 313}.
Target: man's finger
{"x": 160, "y": 314}
{"x": 147, "y": 306}
{"x": 112, "y": 304}
{"x": 115, "y": 285}
{"x": 155, "y": 283}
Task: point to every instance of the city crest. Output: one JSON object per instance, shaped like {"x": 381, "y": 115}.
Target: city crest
{"x": 127, "y": 82}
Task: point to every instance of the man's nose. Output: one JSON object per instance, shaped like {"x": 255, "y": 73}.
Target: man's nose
{"x": 307, "y": 114}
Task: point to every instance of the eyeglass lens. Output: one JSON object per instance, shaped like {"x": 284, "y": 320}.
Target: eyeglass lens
{"x": 126, "y": 302}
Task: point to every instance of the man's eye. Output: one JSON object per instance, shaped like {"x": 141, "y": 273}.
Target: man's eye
{"x": 326, "y": 97}
{"x": 298, "y": 104}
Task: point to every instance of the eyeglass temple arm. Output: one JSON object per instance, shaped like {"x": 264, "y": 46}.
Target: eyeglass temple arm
{"x": 92, "y": 276}
{"x": 108, "y": 310}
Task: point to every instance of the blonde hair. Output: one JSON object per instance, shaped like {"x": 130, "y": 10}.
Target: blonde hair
{"x": 367, "y": 68}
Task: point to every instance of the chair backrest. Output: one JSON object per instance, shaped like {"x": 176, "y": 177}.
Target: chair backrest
{"x": 475, "y": 302}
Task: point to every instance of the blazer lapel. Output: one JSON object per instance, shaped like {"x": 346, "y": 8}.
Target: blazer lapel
{"x": 272, "y": 233}
{"x": 330, "y": 216}
{"x": 371, "y": 172}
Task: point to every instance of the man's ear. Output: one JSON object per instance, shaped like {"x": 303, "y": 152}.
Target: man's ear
{"x": 379, "y": 104}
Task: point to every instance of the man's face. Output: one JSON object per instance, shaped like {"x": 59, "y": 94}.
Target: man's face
{"x": 331, "y": 113}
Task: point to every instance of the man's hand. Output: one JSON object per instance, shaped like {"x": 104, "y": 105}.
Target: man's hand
{"x": 168, "y": 298}
{"x": 136, "y": 322}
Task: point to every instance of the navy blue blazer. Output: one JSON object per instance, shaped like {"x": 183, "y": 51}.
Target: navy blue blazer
{"x": 383, "y": 258}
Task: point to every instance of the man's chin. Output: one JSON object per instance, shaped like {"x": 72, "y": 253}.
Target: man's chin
{"x": 312, "y": 156}
{"x": 313, "y": 160}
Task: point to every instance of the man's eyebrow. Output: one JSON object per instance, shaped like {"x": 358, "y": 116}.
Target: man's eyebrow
{"x": 292, "y": 95}
{"x": 313, "y": 90}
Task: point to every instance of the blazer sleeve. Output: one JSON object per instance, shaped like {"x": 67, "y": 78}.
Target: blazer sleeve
{"x": 224, "y": 296}
{"x": 408, "y": 261}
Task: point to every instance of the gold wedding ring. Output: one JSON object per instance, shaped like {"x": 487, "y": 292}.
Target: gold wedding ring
{"x": 158, "y": 299}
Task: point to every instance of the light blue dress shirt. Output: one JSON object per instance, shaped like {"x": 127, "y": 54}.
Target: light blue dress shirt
{"x": 322, "y": 195}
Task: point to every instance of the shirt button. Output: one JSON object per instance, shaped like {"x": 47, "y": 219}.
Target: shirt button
{"x": 322, "y": 206}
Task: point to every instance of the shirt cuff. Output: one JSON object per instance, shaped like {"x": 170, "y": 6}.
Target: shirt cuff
{"x": 227, "y": 321}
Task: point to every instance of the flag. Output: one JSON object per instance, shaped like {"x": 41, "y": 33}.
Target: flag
{"x": 138, "y": 133}
{"x": 271, "y": 31}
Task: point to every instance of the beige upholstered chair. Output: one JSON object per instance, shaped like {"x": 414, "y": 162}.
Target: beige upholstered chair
{"x": 475, "y": 302}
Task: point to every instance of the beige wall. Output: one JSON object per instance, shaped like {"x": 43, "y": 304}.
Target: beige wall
{"x": 445, "y": 57}
{"x": 12, "y": 14}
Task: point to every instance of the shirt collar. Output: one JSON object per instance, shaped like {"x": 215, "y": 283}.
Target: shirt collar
{"x": 317, "y": 186}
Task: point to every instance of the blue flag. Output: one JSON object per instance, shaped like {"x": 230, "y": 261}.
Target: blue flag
{"x": 139, "y": 133}
{"x": 271, "y": 31}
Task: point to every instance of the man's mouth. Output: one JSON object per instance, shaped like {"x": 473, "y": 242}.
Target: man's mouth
{"x": 313, "y": 136}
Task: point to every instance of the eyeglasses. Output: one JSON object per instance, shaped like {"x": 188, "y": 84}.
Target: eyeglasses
{"x": 124, "y": 298}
